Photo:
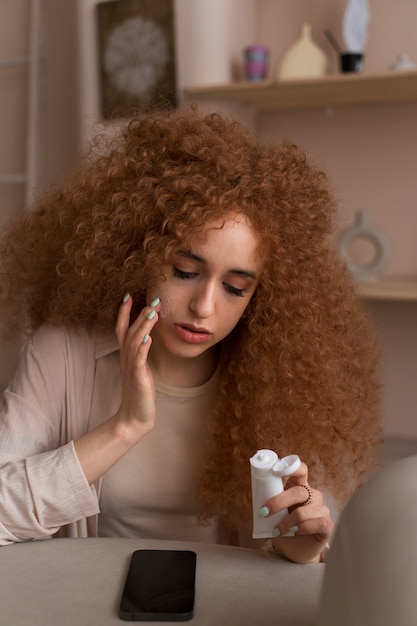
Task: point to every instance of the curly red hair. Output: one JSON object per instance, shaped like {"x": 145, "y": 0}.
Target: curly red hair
{"x": 299, "y": 373}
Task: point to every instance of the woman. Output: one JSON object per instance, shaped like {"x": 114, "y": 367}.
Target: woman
{"x": 237, "y": 328}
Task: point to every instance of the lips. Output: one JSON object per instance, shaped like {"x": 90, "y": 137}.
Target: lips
{"x": 192, "y": 334}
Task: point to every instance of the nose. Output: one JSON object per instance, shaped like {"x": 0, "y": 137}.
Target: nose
{"x": 202, "y": 303}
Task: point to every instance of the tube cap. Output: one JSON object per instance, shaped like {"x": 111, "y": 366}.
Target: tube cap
{"x": 263, "y": 461}
{"x": 287, "y": 465}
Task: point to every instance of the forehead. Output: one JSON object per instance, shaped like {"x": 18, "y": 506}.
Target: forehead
{"x": 232, "y": 238}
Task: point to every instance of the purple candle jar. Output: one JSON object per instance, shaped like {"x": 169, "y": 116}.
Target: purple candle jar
{"x": 256, "y": 62}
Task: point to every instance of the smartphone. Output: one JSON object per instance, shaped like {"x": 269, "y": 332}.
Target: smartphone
{"x": 160, "y": 586}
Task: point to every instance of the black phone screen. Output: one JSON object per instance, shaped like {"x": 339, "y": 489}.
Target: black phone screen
{"x": 160, "y": 586}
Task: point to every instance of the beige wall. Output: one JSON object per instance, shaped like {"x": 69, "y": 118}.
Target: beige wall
{"x": 58, "y": 114}
{"x": 369, "y": 153}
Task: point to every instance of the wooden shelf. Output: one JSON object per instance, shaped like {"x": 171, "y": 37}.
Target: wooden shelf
{"x": 338, "y": 90}
{"x": 390, "y": 289}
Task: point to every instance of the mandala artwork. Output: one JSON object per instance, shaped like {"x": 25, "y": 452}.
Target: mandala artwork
{"x": 136, "y": 56}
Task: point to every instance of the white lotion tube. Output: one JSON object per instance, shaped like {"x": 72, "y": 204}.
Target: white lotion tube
{"x": 267, "y": 470}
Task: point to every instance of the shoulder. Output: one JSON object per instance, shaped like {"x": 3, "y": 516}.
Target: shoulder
{"x": 68, "y": 347}
{"x": 49, "y": 340}
{"x": 60, "y": 349}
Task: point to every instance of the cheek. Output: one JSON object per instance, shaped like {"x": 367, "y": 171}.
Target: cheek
{"x": 167, "y": 306}
{"x": 237, "y": 313}
{"x": 232, "y": 317}
{"x": 169, "y": 302}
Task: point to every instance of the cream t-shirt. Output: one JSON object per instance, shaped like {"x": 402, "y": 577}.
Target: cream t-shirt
{"x": 150, "y": 492}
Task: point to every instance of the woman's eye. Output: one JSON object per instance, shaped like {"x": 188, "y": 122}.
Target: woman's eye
{"x": 183, "y": 275}
{"x": 234, "y": 290}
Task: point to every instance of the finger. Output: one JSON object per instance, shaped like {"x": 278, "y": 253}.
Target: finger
{"x": 312, "y": 520}
{"x": 138, "y": 332}
{"x": 294, "y": 496}
{"x": 146, "y": 320}
{"x": 320, "y": 526}
{"x": 123, "y": 319}
{"x": 148, "y": 313}
{"x": 298, "y": 477}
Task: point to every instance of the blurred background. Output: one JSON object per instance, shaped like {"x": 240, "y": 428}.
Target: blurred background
{"x": 51, "y": 72}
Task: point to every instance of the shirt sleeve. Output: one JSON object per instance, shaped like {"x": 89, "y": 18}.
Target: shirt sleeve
{"x": 41, "y": 493}
{"x": 42, "y": 484}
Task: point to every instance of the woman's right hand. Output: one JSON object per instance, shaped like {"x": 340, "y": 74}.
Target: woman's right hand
{"x": 137, "y": 385}
{"x": 99, "y": 449}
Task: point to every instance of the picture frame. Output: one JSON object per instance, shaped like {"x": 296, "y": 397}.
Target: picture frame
{"x": 137, "y": 62}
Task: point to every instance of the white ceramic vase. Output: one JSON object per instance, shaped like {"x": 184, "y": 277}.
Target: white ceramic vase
{"x": 363, "y": 230}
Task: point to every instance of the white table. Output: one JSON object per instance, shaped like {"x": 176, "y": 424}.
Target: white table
{"x": 78, "y": 582}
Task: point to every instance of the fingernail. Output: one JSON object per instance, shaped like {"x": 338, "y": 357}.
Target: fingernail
{"x": 151, "y": 315}
{"x": 155, "y": 302}
{"x": 263, "y": 511}
{"x": 145, "y": 338}
{"x": 126, "y": 297}
{"x": 276, "y": 532}
{"x": 294, "y": 529}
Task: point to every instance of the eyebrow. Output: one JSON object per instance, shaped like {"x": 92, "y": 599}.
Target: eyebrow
{"x": 194, "y": 257}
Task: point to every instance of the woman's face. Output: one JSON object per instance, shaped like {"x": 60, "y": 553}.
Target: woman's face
{"x": 207, "y": 288}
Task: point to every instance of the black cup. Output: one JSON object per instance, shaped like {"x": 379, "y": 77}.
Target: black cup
{"x": 350, "y": 61}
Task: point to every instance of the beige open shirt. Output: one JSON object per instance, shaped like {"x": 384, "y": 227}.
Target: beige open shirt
{"x": 67, "y": 383}
{"x": 42, "y": 485}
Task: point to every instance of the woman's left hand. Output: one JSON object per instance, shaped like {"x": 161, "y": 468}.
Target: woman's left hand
{"x": 308, "y": 520}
